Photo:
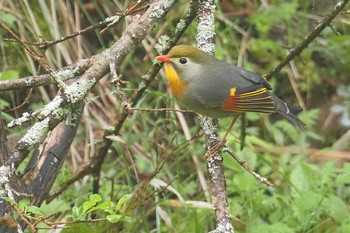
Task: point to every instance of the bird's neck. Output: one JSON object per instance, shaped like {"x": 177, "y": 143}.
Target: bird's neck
{"x": 176, "y": 84}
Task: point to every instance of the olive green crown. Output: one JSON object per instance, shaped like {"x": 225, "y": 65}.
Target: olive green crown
{"x": 189, "y": 52}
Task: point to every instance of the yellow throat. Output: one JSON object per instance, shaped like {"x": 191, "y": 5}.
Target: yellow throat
{"x": 176, "y": 84}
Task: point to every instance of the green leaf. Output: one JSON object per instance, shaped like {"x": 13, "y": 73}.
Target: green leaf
{"x": 106, "y": 205}
{"x": 244, "y": 181}
{"x": 77, "y": 213}
{"x": 9, "y": 75}
{"x": 344, "y": 228}
{"x": 121, "y": 201}
{"x": 9, "y": 200}
{"x": 307, "y": 205}
{"x": 8, "y": 19}
{"x": 257, "y": 141}
{"x": 268, "y": 17}
{"x": 34, "y": 210}
{"x": 275, "y": 228}
{"x": 114, "y": 218}
{"x": 301, "y": 178}
{"x": 87, "y": 205}
{"x": 338, "y": 209}
{"x": 95, "y": 197}
{"x": 23, "y": 204}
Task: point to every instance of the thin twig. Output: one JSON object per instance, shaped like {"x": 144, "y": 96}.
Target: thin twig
{"x": 326, "y": 21}
{"x": 108, "y": 22}
{"x": 24, "y": 218}
{"x": 160, "y": 110}
{"x": 247, "y": 168}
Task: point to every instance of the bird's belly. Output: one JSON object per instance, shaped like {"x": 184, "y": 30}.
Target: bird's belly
{"x": 205, "y": 110}
{"x": 214, "y": 113}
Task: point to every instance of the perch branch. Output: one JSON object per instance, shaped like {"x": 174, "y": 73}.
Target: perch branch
{"x": 205, "y": 41}
{"x": 63, "y": 104}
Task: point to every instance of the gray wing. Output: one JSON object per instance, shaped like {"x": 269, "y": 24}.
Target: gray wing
{"x": 215, "y": 87}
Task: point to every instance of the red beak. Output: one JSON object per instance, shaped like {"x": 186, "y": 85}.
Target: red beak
{"x": 163, "y": 58}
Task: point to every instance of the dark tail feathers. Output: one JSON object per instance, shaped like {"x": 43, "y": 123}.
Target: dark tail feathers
{"x": 289, "y": 111}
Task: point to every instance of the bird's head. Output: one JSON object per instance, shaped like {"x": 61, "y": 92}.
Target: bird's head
{"x": 187, "y": 61}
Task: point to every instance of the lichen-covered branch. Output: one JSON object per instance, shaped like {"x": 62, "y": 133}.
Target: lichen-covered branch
{"x": 64, "y": 105}
{"x": 151, "y": 74}
{"x": 164, "y": 46}
{"x": 205, "y": 41}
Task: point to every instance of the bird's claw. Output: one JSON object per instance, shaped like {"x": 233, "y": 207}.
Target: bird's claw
{"x": 217, "y": 147}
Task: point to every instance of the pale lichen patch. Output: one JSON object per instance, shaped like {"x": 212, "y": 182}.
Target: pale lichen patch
{"x": 36, "y": 134}
{"x": 5, "y": 172}
{"x": 52, "y": 106}
{"x": 66, "y": 74}
{"x": 159, "y": 10}
{"x": 180, "y": 26}
{"x": 206, "y": 29}
{"x": 78, "y": 90}
{"x": 19, "y": 121}
{"x": 162, "y": 44}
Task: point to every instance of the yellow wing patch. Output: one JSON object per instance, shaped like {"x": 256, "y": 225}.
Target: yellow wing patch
{"x": 258, "y": 100}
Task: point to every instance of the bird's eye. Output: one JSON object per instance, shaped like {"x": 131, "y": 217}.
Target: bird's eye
{"x": 183, "y": 60}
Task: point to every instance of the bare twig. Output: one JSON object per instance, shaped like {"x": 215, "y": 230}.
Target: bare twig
{"x": 107, "y": 23}
{"x": 24, "y": 218}
{"x": 247, "y": 168}
{"x": 63, "y": 104}
{"x": 160, "y": 110}
{"x": 326, "y": 21}
{"x": 69, "y": 72}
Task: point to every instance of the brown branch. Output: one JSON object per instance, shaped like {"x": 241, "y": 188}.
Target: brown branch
{"x": 27, "y": 50}
{"x": 3, "y": 142}
{"x": 326, "y": 21}
{"x": 28, "y": 82}
{"x": 24, "y": 218}
{"x": 315, "y": 154}
{"x": 108, "y": 22}
{"x": 160, "y": 110}
{"x": 53, "y": 113}
{"x": 61, "y": 106}
{"x": 74, "y": 70}
{"x": 247, "y": 168}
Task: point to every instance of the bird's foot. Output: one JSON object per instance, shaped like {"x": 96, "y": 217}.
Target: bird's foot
{"x": 217, "y": 147}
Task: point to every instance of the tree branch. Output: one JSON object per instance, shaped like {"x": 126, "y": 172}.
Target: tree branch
{"x": 205, "y": 41}
{"x": 326, "y": 21}
{"x": 62, "y": 106}
{"x": 148, "y": 78}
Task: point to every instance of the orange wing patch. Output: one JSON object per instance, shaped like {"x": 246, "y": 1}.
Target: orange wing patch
{"x": 258, "y": 100}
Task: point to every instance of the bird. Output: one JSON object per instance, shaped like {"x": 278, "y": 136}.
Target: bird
{"x": 214, "y": 88}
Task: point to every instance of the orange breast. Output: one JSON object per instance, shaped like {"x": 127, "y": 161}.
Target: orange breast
{"x": 176, "y": 84}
